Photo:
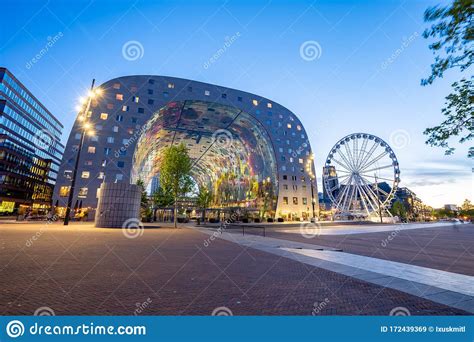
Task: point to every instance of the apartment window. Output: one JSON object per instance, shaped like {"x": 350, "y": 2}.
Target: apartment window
{"x": 295, "y": 187}
{"x": 285, "y": 186}
{"x": 283, "y": 168}
{"x": 125, "y": 141}
{"x": 122, "y": 152}
{"x": 190, "y": 89}
{"x": 171, "y": 85}
{"x": 298, "y": 127}
{"x": 283, "y": 158}
{"x": 150, "y": 81}
{"x": 207, "y": 92}
{"x": 255, "y": 102}
{"x": 224, "y": 96}
{"x": 288, "y": 125}
{"x": 83, "y": 192}
{"x": 119, "y": 97}
{"x": 285, "y": 177}
{"x": 115, "y": 129}
{"x": 124, "y": 108}
{"x": 110, "y": 106}
{"x": 118, "y": 177}
{"x": 135, "y": 99}
{"x": 85, "y": 174}
{"x": 291, "y": 159}
{"x": 150, "y": 91}
{"x": 104, "y": 116}
{"x": 101, "y": 175}
{"x": 141, "y": 110}
{"x": 133, "y": 89}
{"x": 293, "y": 178}
{"x": 107, "y": 151}
{"x": 98, "y": 127}
{"x": 91, "y": 149}
{"x": 64, "y": 191}
{"x": 77, "y": 136}
{"x": 116, "y": 86}
{"x": 119, "y": 118}
{"x": 300, "y": 160}
{"x": 120, "y": 164}
{"x": 305, "y": 201}
{"x": 104, "y": 163}
{"x": 239, "y": 98}
{"x": 269, "y": 105}
{"x": 280, "y": 149}
{"x": 110, "y": 140}
{"x": 295, "y": 200}
{"x": 285, "y": 200}
{"x": 304, "y": 187}
{"x": 88, "y": 163}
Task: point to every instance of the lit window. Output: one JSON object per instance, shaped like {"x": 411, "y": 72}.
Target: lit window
{"x": 255, "y": 102}
{"x": 207, "y": 92}
{"x": 125, "y": 141}
{"x": 135, "y": 99}
{"x": 110, "y": 140}
{"x": 91, "y": 149}
{"x": 171, "y": 85}
{"x": 295, "y": 200}
{"x": 119, "y": 118}
{"x": 85, "y": 174}
{"x": 269, "y": 105}
{"x": 107, "y": 151}
{"x": 124, "y": 108}
{"x": 288, "y": 125}
{"x": 300, "y": 161}
{"x": 119, "y": 97}
{"x": 280, "y": 149}
{"x": 104, "y": 116}
{"x": 291, "y": 159}
{"x": 101, "y": 175}
{"x": 83, "y": 192}
{"x": 64, "y": 191}
{"x": 115, "y": 129}
{"x": 298, "y": 127}
{"x": 116, "y": 86}
{"x": 305, "y": 201}
{"x": 104, "y": 163}
{"x": 118, "y": 177}
{"x": 283, "y": 168}
{"x": 285, "y": 200}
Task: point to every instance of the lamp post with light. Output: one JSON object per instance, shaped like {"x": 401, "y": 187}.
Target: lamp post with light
{"x": 82, "y": 116}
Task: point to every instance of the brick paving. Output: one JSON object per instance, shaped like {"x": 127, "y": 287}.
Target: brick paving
{"x": 448, "y": 248}
{"x": 87, "y": 271}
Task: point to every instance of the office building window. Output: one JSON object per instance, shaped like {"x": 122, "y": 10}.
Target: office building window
{"x": 119, "y": 97}
{"x": 295, "y": 200}
{"x": 207, "y": 92}
{"x": 91, "y": 149}
{"x": 110, "y": 140}
{"x": 104, "y": 116}
{"x": 83, "y": 192}
{"x": 171, "y": 85}
{"x": 64, "y": 191}
{"x": 115, "y": 129}
{"x": 124, "y": 108}
{"x": 135, "y": 99}
{"x": 85, "y": 174}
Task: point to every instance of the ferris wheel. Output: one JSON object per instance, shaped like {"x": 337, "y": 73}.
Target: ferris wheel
{"x": 361, "y": 175}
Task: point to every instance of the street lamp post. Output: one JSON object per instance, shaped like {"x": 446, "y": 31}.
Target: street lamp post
{"x": 82, "y": 117}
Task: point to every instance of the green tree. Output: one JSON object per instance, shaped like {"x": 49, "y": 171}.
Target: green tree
{"x": 204, "y": 200}
{"x": 144, "y": 204}
{"x": 398, "y": 209}
{"x": 453, "y": 32}
{"x": 162, "y": 197}
{"x": 175, "y": 174}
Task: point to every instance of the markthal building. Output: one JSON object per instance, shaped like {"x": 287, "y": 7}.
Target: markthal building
{"x": 249, "y": 151}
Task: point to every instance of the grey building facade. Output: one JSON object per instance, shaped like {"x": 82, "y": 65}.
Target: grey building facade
{"x": 250, "y": 151}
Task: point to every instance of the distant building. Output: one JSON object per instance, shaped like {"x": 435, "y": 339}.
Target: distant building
{"x": 30, "y": 149}
{"x": 413, "y": 204}
{"x": 452, "y": 207}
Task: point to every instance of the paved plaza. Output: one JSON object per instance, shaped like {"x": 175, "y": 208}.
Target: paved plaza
{"x": 81, "y": 270}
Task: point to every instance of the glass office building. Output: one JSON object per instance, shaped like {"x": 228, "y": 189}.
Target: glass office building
{"x": 30, "y": 149}
{"x": 249, "y": 151}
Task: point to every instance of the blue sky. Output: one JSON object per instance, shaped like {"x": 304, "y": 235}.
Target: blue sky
{"x": 366, "y": 77}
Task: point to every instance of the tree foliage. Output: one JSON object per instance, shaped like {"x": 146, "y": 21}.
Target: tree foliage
{"x": 162, "y": 197}
{"x": 175, "y": 173}
{"x": 459, "y": 120}
{"x": 453, "y": 32}
{"x": 204, "y": 200}
{"x": 398, "y": 209}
